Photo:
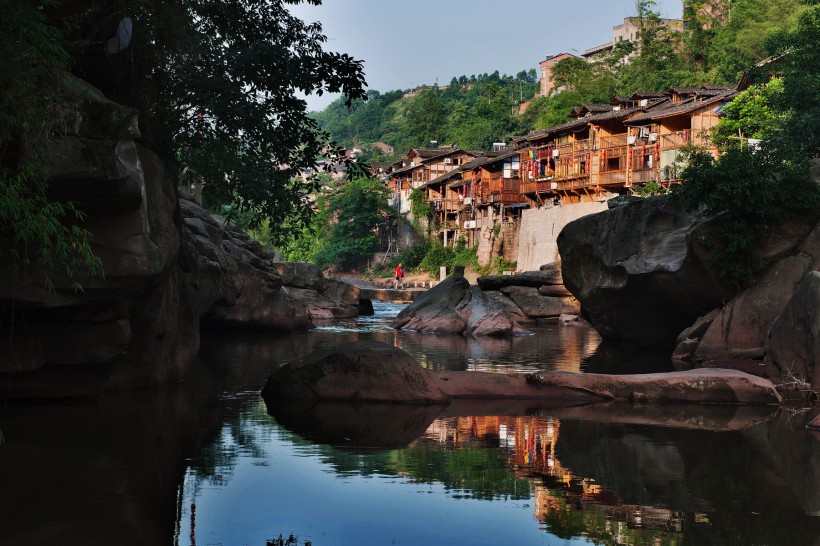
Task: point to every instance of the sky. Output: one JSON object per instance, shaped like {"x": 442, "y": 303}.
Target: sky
{"x": 406, "y": 44}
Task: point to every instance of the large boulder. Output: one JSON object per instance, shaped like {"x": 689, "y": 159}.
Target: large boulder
{"x": 740, "y": 327}
{"x": 640, "y": 272}
{"x": 738, "y": 334}
{"x": 793, "y": 342}
{"x": 132, "y": 328}
{"x": 535, "y": 294}
{"x": 365, "y": 371}
{"x": 454, "y": 307}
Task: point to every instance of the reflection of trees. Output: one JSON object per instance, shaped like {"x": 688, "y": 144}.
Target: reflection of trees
{"x": 245, "y": 436}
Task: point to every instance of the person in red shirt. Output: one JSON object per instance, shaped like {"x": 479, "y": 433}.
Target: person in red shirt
{"x": 399, "y": 277}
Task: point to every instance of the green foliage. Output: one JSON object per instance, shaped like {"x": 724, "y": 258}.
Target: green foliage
{"x": 649, "y": 189}
{"x": 357, "y": 210}
{"x": 419, "y": 207}
{"x": 748, "y": 192}
{"x": 410, "y": 258}
{"x": 659, "y": 63}
{"x": 751, "y": 114}
{"x": 219, "y": 84}
{"x": 800, "y": 100}
{"x": 734, "y": 47}
{"x": 449, "y": 257}
{"x": 472, "y": 112}
{"x": 34, "y": 229}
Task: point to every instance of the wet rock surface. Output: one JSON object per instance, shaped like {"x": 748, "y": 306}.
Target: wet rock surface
{"x": 454, "y": 307}
{"x": 376, "y": 372}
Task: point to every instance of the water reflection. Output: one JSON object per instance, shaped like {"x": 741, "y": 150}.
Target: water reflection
{"x": 205, "y": 463}
{"x": 554, "y": 347}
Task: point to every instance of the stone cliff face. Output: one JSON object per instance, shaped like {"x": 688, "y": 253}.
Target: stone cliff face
{"x": 168, "y": 266}
{"x": 642, "y": 276}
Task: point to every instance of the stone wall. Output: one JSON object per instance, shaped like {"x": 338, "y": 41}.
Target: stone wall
{"x": 540, "y": 228}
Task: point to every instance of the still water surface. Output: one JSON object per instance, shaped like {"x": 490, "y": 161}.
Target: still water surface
{"x": 207, "y": 463}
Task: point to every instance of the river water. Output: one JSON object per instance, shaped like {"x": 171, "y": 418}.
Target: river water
{"x": 207, "y": 463}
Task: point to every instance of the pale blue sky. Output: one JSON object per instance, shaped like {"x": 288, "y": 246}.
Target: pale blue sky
{"x": 405, "y": 44}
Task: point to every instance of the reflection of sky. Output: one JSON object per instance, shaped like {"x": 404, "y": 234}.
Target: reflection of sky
{"x": 294, "y": 492}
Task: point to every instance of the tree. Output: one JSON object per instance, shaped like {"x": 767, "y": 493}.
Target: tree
{"x": 658, "y": 63}
{"x": 424, "y": 115}
{"x": 34, "y": 229}
{"x": 752, "y": 114}
{"x": 357, "y": 211}
{"x": 800, "y": 100}
{"x": 736, "y": 45}
{"x": 748, "y": 191}
{"x": 218, "y": 87}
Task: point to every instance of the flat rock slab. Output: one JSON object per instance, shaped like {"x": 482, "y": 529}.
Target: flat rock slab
{"x": 700, "y": 386}
{"x": 376, "y": 372}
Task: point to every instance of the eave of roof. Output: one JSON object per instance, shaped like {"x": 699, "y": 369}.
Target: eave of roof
{"x": 683, "y": 107}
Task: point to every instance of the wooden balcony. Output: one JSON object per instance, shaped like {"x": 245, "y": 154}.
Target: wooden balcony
{"x": 505, "y": 197}
{"x": 675, "y": 140}
{"x": 644, "y": 175}
{"x": 572, "y": 183}
{"x": 539, "y": 186}
{"x": 613, "y": 141}
{"x": 611, "y": 178}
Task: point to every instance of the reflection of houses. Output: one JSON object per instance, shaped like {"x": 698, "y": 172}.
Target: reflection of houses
{"x": 560, "y": 497}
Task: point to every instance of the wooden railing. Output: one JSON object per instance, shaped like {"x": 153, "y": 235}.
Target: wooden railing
{"x": 608, "y": 178}
{"x": 574, "y": 183}
{"x": 613, "y": 141}
{"x": 675, "y": 140}
{"x": 644, "y": 175}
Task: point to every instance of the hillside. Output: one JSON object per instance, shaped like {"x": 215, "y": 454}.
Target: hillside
{"x": 719, "y": 45}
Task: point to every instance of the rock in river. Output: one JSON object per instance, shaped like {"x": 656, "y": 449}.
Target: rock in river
{"x": 454, "y": 307}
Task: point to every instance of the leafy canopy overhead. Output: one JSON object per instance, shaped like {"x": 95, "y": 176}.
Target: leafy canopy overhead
{"x": 219, "y": 90}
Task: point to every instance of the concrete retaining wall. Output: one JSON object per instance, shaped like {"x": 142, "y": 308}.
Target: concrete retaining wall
{"x": 540, "y": 228}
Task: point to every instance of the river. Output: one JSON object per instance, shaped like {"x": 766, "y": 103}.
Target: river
{"x": 204, "y": 463}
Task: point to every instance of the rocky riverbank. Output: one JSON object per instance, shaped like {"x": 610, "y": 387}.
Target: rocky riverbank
{"x": 170, "y": 268}
{"x": 643, "y": 275}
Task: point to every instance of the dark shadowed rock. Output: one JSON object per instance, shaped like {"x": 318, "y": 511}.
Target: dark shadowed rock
{"x": 454, "y": 307}
{"x": 376, "y": 372}
{"x": 362, "y": 371}
{"x": 533, "y": 304}
{"x": 739, "y": 329}
{"x": 793, "y": 343}
{"x": 639, "y": 271}
{"x": 527, "y": 278}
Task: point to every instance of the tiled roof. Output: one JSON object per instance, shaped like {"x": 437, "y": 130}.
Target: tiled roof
{"x": 603, "y": 116}
{"x": 683, "y": 90}
{"x": 637, "y": 95}
{"x": 474, "y": 164}
{"x": 594, "y": 108}
{"x": 429, "y": 153}
{"x": 682, "y": 107}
